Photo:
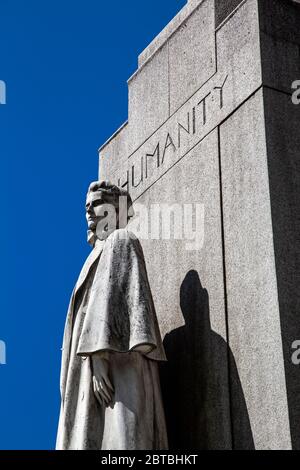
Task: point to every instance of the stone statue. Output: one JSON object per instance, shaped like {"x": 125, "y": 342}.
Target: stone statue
{"x": 110, "y": 389}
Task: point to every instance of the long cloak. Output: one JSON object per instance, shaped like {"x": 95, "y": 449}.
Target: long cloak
{"x": 112, "y": 312}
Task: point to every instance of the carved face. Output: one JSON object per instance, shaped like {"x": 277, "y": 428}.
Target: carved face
{"x": 94, "y": 213}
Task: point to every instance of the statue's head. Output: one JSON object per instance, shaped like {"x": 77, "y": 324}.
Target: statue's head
{"x": 107, "y": 207}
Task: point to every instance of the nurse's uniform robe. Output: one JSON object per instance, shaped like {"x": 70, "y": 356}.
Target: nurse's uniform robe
{"x": 112, "y": 312}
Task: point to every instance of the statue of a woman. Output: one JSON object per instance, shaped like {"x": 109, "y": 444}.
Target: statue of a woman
{"x": 110, "y": 389}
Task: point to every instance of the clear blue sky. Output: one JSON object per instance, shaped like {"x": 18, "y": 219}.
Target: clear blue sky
{"x": 65, "y": 64}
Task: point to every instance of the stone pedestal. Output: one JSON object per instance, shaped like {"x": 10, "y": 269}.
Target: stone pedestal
{"x": 211, "y": 123}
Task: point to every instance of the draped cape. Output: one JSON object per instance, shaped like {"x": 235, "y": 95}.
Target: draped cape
{"x": 112, "y": 311}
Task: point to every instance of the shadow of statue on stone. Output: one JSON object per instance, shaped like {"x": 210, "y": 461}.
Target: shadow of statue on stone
{"x": 202, "y": 410}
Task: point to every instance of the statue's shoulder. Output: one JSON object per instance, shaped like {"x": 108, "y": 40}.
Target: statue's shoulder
{"x": 123, "y": 243}
{"x": 123, "y": 236}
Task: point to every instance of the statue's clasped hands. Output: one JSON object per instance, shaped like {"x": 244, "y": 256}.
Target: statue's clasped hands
{"x": 102, "y": 386}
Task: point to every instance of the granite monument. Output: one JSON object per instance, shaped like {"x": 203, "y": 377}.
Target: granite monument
{"x": 211, "y": 121}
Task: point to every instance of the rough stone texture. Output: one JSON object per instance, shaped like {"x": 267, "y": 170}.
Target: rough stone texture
{"x": 189, "y": 297}
{"x": 281, "y": 62}
{"x": 280, "y": 43}
{"x": 114, "y": 152}
{"x": 253, "y": 310}
{"x": 224, "y": 8}
{"x": 280, "y": 18}
{"x": 238, "y": 53}
{"x": 153, "y": 47}
{"x": 256, "y": 47}
{"x": 192, "y": 55}
{"x": 283, "y": 144}
{"x": 149, "y": 98}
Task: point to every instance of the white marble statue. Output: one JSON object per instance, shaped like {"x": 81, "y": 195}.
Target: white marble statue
{"x": 110, "y": 389}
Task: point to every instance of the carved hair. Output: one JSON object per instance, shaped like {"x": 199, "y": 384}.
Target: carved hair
{"x": 112, "y": 193}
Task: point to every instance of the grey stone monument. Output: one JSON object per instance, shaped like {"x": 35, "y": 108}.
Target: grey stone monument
{"x": 211, "y": 122}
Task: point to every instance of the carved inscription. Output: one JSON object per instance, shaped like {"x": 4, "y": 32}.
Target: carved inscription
{"x": 174, "y": 139}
